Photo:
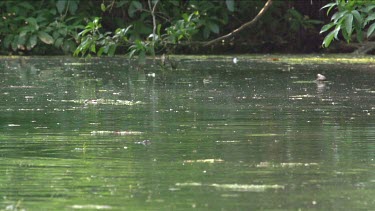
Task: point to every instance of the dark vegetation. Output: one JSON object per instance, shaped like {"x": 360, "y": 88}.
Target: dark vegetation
{"x": 150, "y": 27}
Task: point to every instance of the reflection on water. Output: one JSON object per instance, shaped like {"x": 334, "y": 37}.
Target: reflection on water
{"x": 211, "y": 135}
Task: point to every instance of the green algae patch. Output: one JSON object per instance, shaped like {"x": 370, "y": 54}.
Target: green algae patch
{"x": 329, "y": 59}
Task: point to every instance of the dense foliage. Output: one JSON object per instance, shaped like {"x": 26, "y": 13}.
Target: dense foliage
{"x": 153, "y": 26}
{"x": 46, "y": 26}
{"x": 350, "y": 17}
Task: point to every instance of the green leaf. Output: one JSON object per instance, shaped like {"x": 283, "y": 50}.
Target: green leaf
{"x": 102, "y": 7}
{"x": 32, "y": 42}
{"x": 357, "y": 16}
{"x": 27, "y": 5}
{"x": 370, "y": 29}
{"x": 206, "y": 32}
{"x": 58, "y": 42}
{"x": 230, "y": 5}
{"x": 7, "y": 40}
{"x": 328, "y": 39}
{"x": 349, "y": 24}
{"x": 21, "y": 42}
{"x": 326, "y": 27}
{"x": 158, "y": 29}
{"x": 359, "y": 35}
{"x": 214, "y": 27}
{"x": 132, "y": 52}
{"x": 60, "y": 5}
{"x": 338, "y": 15}
{"x": 330, "y": 5}
{"x": 369, "y": 8}
{"x": 45, "y": 37}
{"x": 100, "y": 51}
{"x": 369, "y": 18}
{"x": 134, "y": 7}
{"x": 14, "y": 43}
{"x": 337, "y": 29}
{"x": 142, "y": 57}
{"x": 32, "y": 22}
{"x": 63, "y": 31}
{"x": 93, "y": 48}
{"x": 68, "y": 46}
{"x": 73, "y": 6}
{"x": 111, "y": 50}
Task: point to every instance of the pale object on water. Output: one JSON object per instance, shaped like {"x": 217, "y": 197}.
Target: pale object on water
{"x": 320, "y": 77}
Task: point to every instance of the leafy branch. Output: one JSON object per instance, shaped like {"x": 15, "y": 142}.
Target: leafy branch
{"x": 351, "y": 17}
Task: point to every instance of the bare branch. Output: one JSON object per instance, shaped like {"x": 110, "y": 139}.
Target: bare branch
{"x": 245, "y": 25}
{"x": 152, "y": 9}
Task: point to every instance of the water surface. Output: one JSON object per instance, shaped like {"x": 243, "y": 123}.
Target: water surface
{"x": 209, "y": 135}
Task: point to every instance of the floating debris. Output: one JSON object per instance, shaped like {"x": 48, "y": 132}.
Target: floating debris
{"x": 121, "y": 133}
{"x": 91, "y": 206}
{"x": 189, "y": 184}
{"x": 25, "y": 87}
{"x": 30, "y": 109}
{"x": 297, "y": 164}
{"x": 320, "y": 77}
{"x": 77, "y": 63}
{"x": 152, "y": 75}
{"x": 204, "y": 161}
{"x": 232, "y": 141}
{"x": 104, "y": 102}
{"x": 284, "y": 165}
{"x": 264, "y": 134}
{"x": 300, "y": 97}
{"x": 234, "y": 187}
{"x": 13, "y": 125}
{"x": 247, "y": 188}
{"x": 144, "y": 142}
{"x": 304, "y": 82}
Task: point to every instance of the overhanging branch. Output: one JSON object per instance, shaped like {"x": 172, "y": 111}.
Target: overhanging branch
{"x": 242, "y": 27}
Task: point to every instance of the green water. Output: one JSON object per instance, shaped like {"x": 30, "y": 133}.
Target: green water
{"x": 210, "y": 135}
